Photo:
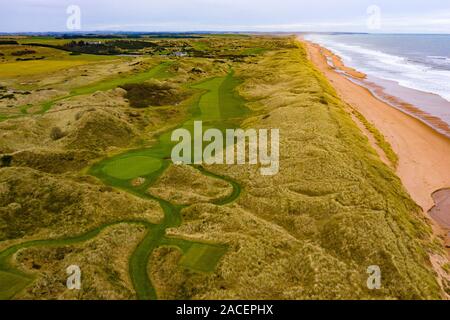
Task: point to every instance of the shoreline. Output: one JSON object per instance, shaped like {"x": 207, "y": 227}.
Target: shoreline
{"x": 393, "y": 93}
{"x": 412, "y": 110}
{"x": 423, "y": 151}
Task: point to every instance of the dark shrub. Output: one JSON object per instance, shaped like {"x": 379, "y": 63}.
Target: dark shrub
{"x": 143, "y": 95}
{"x": 23, "y": 52}
{"x": 5, "y": 161}
{"x": 56, "y": 133}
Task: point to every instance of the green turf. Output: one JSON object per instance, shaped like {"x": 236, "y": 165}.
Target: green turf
{"x": 202, "y": 257}
{"x": 11, "y": 283}
{"x": 200, "y": 45}
{"x": 209, "y": 104}
{"x": 221, "y": 107}
{"x": 220, "y": 101}
{"x": 158, "y": 72}
{"x": 253, "y": 51}
{"x": 132, "y": 167}
{"x": 27, "y": 68}
{"x": 149, "y": 163}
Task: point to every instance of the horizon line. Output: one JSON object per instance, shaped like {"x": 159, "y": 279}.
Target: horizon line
{"x": 216, "y": 32}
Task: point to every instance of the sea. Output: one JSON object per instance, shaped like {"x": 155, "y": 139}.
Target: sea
{"x": 412, "y": 67}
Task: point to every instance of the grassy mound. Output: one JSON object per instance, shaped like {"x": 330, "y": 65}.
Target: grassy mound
{"x": 99, "y": 130}
{"x": 143, "y": 95}
{"x": 184, "y": 185}
{"x": 52, "y": 161}
{"x": 103, "y": 260}
{"x": 34, "y": 203}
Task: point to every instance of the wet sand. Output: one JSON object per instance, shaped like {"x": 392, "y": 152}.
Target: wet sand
{"x": 424, "y": 153}
{"x": 390, "y": 92}
{"x": 441, "y": 211}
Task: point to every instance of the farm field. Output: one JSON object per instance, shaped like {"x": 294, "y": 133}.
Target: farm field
{"x": 86, "y": 177}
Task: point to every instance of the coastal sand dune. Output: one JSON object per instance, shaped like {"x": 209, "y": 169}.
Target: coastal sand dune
{"x": 424, "y": 154}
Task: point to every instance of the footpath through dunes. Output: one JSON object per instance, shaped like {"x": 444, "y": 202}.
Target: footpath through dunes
{"x": 216, "y": 104}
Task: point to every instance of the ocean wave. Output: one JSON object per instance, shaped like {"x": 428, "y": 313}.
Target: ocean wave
{"x": 439, "y": 60}
{"x": 423, "y": 76}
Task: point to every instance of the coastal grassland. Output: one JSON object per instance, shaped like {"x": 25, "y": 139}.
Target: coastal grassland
{"x": 201, "y": 257}
{"x": 101, "y": 254}
{"x": 216, "y": 103}
{"x": 311, "y": 231}
{"x": 11, "y": 284}
{"x": 67, "y": 205}
{"x": 148, "y": 70}
{"x": 200, "y": 45}
{"x": 158, "y": 71}
{"x": 29, "y": 83}
{"x": 51, "y": 74}
{"x": 379, "y": 138}
{"x": 197, "y": 186}
{"x": 253, "y": 51}
{"x": 40, "y": 60}
{"x": 36, "y": 205}
{"x": 212, "y": 232}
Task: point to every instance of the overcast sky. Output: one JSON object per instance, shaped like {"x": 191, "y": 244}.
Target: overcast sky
{"x": 413, "y": 16}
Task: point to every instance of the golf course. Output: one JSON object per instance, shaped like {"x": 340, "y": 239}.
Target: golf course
{"x": 219, "y": 106}
{"x": 100, "y": 168}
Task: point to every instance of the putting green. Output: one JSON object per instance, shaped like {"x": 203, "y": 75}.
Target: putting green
{"x": 132, "y": 167}
{"x": 11, "y": 284}
{"x": 202, "y": 257}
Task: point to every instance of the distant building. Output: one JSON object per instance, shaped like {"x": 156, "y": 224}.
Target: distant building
{"x": 180, "y": 54}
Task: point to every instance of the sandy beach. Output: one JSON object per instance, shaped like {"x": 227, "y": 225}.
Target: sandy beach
{"x": 424, "y": 154}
